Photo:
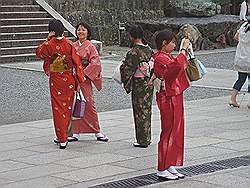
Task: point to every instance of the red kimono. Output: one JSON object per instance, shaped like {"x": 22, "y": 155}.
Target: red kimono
{"x": 62, "y": 84}
{"x": 170, "y": 103}
{"x": 92, "y": 71}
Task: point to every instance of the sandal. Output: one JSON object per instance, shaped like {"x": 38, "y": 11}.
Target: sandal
{"x": 72, "y": 139}
{"x": 103, "y": 138}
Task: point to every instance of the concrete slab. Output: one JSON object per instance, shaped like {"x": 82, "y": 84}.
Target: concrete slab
{"x": 48, "y": 182}
{"x": 35, "y": 172}
{"x": 209, "y": 137}
{"x": 225, "y": 180}
{"x": 93, "y": 173}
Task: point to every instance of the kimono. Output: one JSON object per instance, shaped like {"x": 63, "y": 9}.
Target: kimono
{"x": 62, "y": 76}
{"x": 142, "y": 94}
{"x": 92, "y": 70}
{"x": 170, "y": 103}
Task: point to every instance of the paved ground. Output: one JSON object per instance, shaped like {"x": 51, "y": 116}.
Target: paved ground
{"x": 214, "y": 131}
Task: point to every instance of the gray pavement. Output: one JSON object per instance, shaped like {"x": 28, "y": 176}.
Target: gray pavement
{"x": 214, "y": 131}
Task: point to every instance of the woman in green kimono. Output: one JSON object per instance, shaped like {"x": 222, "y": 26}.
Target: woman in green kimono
{"x": 135, "y": 74}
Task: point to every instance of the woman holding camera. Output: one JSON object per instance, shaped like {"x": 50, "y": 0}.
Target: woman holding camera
{"x": 171, "y": 70}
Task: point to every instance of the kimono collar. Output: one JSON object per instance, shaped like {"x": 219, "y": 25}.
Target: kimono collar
{"x": 60, "y": 38}
{"x": 80, "y": 44}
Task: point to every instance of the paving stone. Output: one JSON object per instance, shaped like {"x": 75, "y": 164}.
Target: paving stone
{"x": 12, "y": 165}
{"x": 142, "y": 163}
{"x": 94, "y": 160}
{"x": 239, "y": 145}
{"x": 201, "y": 141}
{"x": 183, "y": 184}
{"x": 4, "y": 181}
{"x": 48, "y": 182}
{"x": 35, "y": 172}
{"x": 204, "y": 152}
{"x": 93, "y": 173}
{"x": 14, "y": 154}
{"x": 46, "y": 158}
{"x": 226, "y": 180}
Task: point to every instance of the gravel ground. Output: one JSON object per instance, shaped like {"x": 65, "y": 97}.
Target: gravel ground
{"x": 218, "y": 60}
{"x": 24, "y": 96}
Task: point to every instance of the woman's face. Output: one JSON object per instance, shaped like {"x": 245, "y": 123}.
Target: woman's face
{"x": 168, "y": 47}
{"x": 82, "y": 33}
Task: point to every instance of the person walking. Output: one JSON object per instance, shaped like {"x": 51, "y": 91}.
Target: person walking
{"x": 171, "y": 70}
{"x": 244, "y": 10}
{"x": 135, "y": 74}
{"x": 242, "y": 62}
{"x": 60, "y": 58}
{"x": 90, "y": 61}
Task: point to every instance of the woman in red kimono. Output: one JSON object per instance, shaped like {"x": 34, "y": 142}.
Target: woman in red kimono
{"x": 92, "y": 71}
{"x": 169, "y": 99}
{"x": 62, "y": 65}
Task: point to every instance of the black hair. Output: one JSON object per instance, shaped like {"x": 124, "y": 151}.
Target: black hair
{"x": 57, "y": 27}
{"x": 87, "y": 27}
{"x": 136, "y": 32}
{"x": 164, "y": 35}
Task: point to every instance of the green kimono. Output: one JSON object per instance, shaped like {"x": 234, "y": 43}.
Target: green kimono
{"x": 142, "y": 94}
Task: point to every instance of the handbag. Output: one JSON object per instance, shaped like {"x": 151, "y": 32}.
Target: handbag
{"x": 117, "y": 74}
{"x": 79, "y": 107}
{"x": 195, "y": 69}
{"x": 192, "y": 70}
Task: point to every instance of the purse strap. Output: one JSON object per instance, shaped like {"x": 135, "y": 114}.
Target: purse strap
{"x": 78, "y": 93}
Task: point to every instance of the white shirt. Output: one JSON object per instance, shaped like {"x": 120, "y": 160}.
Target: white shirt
{"x": 242, "y": 56}
{"x": 243, "y": 11}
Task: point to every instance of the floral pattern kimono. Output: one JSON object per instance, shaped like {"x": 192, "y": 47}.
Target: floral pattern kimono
{"x": 62, "y": 76}
{"x": 170, "y": 103}
{"x": 142, "y": 94}
{"x": 92, "y": 70}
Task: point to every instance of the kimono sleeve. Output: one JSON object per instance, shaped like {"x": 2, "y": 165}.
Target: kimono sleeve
{"x": 42, "y": 52}
{"x": 78, "y": 66}
{"x": 128, "y": 68}
{"x": 94, "y": 68}
{"x": 171, "y": 69}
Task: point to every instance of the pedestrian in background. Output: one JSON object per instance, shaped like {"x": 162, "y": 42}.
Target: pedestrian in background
{"x": 135, "y": 74}
{"x": 244, "y": 10}
{"x": 92, "y": 68}
{"x": 59, "y": 59}
{"x": 242, "y": 61}
{"x": 170, "y": 103}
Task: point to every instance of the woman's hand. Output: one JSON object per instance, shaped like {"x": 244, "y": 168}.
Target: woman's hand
{"x": 186, "y": 43}
{"x": 50, "y": 35}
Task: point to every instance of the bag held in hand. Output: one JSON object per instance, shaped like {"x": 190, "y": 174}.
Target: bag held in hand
{"x": 79, "y": 108}
{"x": 193, "y": 70}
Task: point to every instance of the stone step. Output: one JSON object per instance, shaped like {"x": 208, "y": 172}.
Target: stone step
{"x": 19, "y": 8}
{"x": 23, "y": 35}
{"x": 23, "y": 28}
{"x": 27, "y": 35}
{"x": 24, "y": 21}
{"x": 17, "y": 2}
{"x": 18, "y": 58}
{"x": 40, "y": 14}
{"x": 16, "y": 43}
{"x": 18, "y": 50}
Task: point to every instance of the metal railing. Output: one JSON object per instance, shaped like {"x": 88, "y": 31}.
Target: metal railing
{"x": 66, "y": 24}
{"x": 56, "y": 15}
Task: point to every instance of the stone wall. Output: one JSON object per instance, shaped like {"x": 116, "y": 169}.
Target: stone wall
{"x": 105, "y": 15}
